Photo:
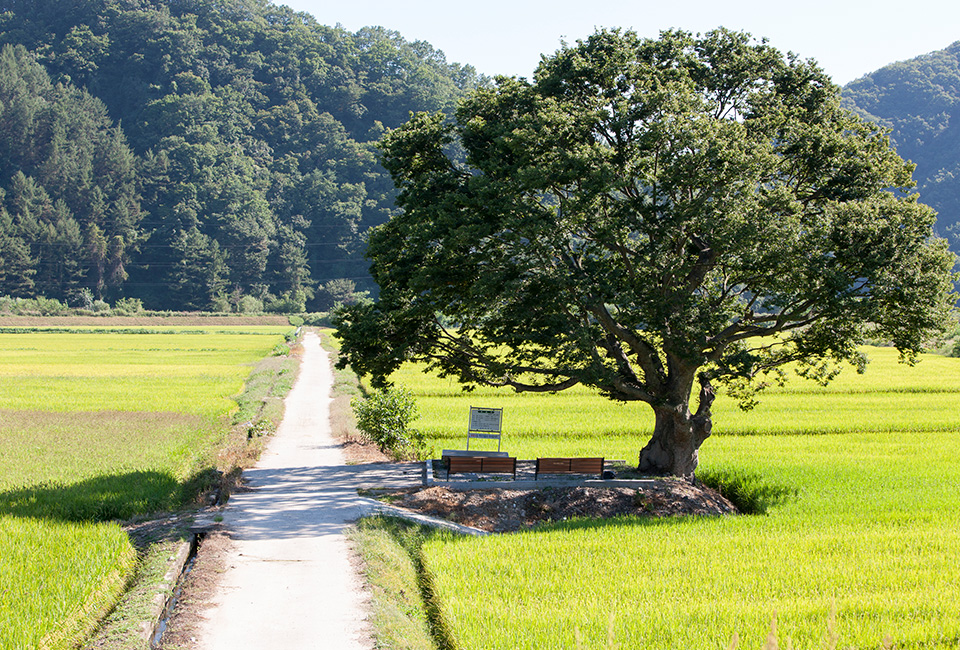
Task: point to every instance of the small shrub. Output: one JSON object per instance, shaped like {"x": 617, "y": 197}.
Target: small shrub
{"x": 384, "y": 418}
{"x": 221, "y": 303}
{"x": 82, "y": 299}
{"x": 128, "y": 307}
{"x": 49, "y": 306}
{"x": 341, "y": 291}
{"x": 316, "y": 319}
{"x": 250, "y": 305}
{"x": 288, "y": 303}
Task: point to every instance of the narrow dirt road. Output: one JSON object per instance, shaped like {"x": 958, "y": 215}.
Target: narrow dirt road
{"x": 289, "y": 582}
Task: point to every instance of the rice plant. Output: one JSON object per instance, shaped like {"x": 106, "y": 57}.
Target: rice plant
{"x": 95, "y": 428}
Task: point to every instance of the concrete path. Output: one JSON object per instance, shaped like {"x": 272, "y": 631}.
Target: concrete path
{"x": 290, "y": 583}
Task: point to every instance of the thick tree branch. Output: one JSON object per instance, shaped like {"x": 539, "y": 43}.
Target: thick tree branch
{"x": 653, "y": 371}
{"x": 521, "y": 387}
{"x": 707, "y": 396}
{"x": 706, "y": 259}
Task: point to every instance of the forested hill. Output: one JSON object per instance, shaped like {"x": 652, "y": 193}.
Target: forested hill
{"x": 218, "y": 153}
{"x": 192, "y": 152}
{"x": 919, "y": 100}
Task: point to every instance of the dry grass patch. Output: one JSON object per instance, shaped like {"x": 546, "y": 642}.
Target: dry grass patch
{"x": 196, "y": 320}
{"x": 42, "y": 447}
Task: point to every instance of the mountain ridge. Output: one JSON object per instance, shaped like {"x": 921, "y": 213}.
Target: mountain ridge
{"x": 918, "y": 100}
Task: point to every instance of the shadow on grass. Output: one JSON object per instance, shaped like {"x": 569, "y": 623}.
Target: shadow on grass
{"x": 105, "y": 498}
{"x": 409, "y": 537}
{"x": 620, "y": 521}
{"x": 751, "y": 492}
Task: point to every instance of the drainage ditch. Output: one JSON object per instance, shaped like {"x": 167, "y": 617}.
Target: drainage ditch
{"x": 164, "y": 620}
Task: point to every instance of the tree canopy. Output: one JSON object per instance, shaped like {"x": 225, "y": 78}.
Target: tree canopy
{"x": 648, "y": 217}
{"x": 70, "y": 209}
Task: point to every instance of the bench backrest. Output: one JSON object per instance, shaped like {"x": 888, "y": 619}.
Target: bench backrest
{"x": 552, "y": 465}
{"x": 464, "y": 464}
{"x": 493, "y": 464}
{"x": 586, "y": 465}
{"x": 570, "y": 465}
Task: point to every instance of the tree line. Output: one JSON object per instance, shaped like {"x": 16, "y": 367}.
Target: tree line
{"x": 199, "y": 153}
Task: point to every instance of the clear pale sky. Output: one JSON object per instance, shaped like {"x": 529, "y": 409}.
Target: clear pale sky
{"x": 849, "y": 38}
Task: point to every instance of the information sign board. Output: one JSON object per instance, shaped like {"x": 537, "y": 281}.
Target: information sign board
{"x": 485, "y": 419}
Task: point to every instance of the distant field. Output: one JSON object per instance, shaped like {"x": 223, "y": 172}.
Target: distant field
{"x": 183, "y": 373}
{"x": 873, "y": 528}
{"x": 95, "y": 426}
{"x": 889, "y": 397}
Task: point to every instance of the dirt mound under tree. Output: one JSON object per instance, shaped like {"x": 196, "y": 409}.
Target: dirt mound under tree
{"x": 507, "y": 510}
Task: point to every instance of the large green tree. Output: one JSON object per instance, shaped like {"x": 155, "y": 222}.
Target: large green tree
{"x": 651, "y": 218}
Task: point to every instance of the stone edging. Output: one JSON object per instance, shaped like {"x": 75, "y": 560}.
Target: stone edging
{"x": 370, "y": 507}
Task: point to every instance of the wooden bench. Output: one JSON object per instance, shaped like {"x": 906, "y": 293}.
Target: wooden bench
{"x": 569, "y": 466}
{"x": 480, "y": 465}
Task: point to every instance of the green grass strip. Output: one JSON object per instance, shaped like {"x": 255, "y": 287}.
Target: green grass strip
{"x": 99, "y": 427}
{"x": 393, "y": 551}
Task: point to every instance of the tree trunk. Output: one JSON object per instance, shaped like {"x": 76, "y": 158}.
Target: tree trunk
{"x": 677, "y": 436}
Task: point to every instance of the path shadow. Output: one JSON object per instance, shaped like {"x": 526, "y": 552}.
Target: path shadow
{"x": 299, "y": 502}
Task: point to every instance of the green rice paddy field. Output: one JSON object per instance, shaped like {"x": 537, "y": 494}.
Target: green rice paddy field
{"x": 93, "y": 427}
{"x": 873, "y": 531}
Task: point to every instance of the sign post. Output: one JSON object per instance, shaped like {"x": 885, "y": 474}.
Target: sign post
{"x": 485, "y": 423}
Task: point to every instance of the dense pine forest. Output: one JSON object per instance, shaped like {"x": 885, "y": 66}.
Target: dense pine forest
{"x": 198, "y": 154}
